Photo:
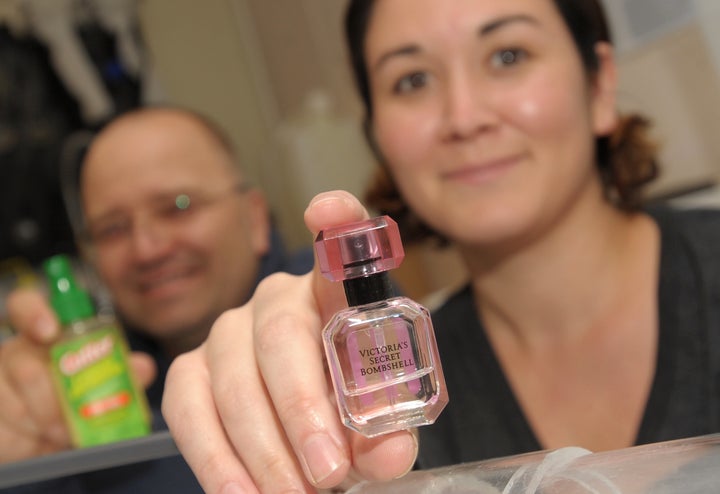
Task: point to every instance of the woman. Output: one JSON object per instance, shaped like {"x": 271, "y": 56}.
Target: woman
{"x": 495, "y": 121}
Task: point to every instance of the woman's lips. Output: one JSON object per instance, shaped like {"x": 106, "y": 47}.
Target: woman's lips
{"x": 480, "y": 173}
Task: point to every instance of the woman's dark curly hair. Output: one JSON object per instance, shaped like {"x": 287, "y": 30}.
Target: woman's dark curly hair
{"x": 626, "y": 159}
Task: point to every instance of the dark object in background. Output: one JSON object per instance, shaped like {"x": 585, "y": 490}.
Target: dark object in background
{"x": 36, "y": 113}
{"x": 101, "y": 49}
{"x": 38, "y": 116}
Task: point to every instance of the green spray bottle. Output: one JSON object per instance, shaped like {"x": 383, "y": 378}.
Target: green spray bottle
{"x": 99, "y": 397}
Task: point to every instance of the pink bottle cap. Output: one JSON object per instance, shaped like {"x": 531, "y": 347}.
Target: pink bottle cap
{"x": 359, "y": 249}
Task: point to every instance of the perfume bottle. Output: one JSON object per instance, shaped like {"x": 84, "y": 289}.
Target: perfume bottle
{"x": 381, "y": 350}
{"x": 100, "y": 400}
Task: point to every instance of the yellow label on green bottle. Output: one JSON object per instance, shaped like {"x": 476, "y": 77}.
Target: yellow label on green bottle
{"x": 99, "y": 398}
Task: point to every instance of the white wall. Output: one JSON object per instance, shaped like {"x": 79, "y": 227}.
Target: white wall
{"x": 709, "y": 17}
{"x": 667, "y": 72}
{"x": 251, "y": 64}
{"x": 207, "y": 58}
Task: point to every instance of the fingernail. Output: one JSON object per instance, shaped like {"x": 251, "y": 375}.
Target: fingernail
{"x": 321, "y": 456}
{"x": 321, "y": 202}
{"x": 233, "y": 488}
{"x": 331, "y": 199}
{"x": 413, "y": 446}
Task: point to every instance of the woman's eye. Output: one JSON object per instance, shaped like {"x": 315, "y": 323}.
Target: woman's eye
{"x": 411, "y": 82}
{"x": 508, "y": 57}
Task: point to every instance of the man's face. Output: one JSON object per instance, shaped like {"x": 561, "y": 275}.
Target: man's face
{"x": 173, "y": 233}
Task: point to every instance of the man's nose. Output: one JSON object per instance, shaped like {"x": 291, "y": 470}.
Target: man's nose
{"x": 150, "y": 238}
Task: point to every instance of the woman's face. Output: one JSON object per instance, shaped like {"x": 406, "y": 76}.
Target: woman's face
{"x": 485, "y": 114}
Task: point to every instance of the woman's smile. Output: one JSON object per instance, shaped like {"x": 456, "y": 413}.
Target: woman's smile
{"x": 484, "y": 171}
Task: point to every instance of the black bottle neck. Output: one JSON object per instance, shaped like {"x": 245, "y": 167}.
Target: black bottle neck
{"x": 368, "y": 289}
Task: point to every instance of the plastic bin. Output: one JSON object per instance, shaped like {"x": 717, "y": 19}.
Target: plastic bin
{"x": 688, "y": 466}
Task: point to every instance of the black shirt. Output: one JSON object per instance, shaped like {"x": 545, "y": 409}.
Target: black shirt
{"x": 483, "y": 418}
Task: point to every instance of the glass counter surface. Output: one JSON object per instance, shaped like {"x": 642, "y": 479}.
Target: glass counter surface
{"x": 151, "y": 447}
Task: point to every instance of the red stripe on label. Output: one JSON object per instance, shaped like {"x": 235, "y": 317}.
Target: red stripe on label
{"x": 105, "y": 405}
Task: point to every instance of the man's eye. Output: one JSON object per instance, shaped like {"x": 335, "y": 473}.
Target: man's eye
{"x": 508, "y": 57}
{"x": 108, "y": 233}
{"x": 173, "y": 210}
{"x": 181, "y": 205}
{"x": 411, "y": 82}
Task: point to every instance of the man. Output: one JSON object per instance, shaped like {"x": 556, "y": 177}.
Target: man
{"x": 178, "y": 236}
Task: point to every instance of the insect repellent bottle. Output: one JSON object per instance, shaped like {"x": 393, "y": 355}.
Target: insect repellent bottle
{"x": 97, "y": 392}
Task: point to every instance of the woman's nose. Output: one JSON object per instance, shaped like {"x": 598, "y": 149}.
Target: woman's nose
{"x": 467, "y": 108}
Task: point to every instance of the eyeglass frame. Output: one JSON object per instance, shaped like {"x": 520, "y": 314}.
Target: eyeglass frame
{"x": 177, "y": 210}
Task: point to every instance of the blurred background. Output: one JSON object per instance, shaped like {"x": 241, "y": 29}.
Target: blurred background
{"x": 274, "y": 74}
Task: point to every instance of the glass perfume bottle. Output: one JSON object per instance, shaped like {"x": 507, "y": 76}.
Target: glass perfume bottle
{"x": 381, "y": 350}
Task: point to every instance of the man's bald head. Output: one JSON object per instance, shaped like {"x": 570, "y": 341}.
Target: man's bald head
{"x": 161, "y": 122}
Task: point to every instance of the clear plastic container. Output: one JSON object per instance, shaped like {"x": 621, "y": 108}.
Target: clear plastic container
{"x": 688, "y": 466}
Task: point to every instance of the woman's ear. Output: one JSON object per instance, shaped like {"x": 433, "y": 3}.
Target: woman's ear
{"x": 604, "y": 91}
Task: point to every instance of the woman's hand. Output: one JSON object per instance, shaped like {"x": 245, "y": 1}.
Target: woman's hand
{"x": 252, "y": 409}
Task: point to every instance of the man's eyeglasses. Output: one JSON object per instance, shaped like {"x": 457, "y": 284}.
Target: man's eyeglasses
{"x": 161, "y": 212}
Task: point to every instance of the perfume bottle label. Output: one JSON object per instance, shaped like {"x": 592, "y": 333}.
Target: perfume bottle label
{"x": 97, "y": 392}
{"x": 385, "y": 358}
{"x": 380, "y": 352}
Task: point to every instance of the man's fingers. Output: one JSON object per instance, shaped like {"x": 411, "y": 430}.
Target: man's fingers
{"x": 29, "y": 408}
{"x": 26, "y": 366}
{"x": 18, "y": 446}
{"x": 13, "y": 412}
{"x": 31, "y": 316}
{"x": 143, "y": 368}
